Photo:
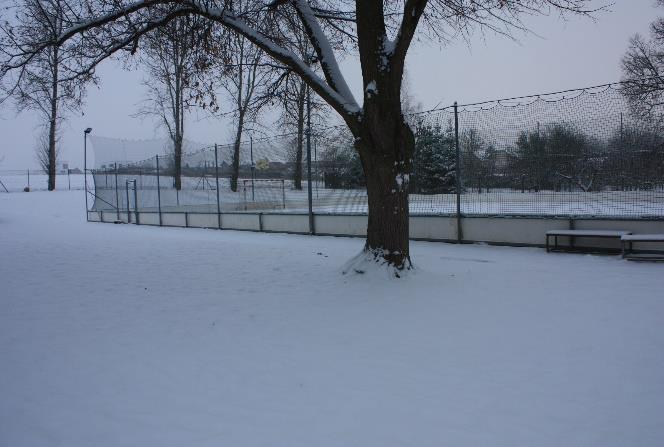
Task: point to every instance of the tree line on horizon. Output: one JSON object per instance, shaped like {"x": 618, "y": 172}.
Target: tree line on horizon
{"x": 554, "y": 157}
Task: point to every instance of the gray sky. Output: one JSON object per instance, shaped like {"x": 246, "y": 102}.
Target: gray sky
{"x": 564, "y": 54}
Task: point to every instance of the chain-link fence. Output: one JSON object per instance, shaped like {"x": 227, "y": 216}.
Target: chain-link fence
{"x": 17, "y": 180}
{"x": 577, "y": 153}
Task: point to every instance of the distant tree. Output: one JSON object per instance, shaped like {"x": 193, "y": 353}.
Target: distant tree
{"x": 43, "y": 152}
{"x": 434, "y": 160}
{"x": 341, "y": 164}
{"x": 472, "y": 147}
{"x": 42, "y": 84}
{"x": 557, "y": 152}
{"x": 635, "y": 158}
{"x": 643, "y": 72}
{"x": 174, "y": 69}
{"x": 245, "y": 78}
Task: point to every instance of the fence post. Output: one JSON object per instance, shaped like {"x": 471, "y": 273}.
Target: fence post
{"x": 128, "y": 208}
{"x": 244, "y": 191}
{"x": 458, "y": 173}
{"x": 253, "y": 168}
{"x": 312, "y": 229}
{"x": 117, "y": 193}
{"x": 136, "y": 202}
{"x": 158, "y": 192}
{"x": 216, "y": 177}
{"x": 283, "y": 193}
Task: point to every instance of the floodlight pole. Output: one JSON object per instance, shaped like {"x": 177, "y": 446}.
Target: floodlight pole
{"x": 85, "y": 168}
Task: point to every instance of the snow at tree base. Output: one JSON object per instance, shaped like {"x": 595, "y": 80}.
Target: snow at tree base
{"x": 124, "y": 335}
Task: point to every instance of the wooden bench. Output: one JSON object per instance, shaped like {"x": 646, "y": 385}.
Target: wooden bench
{"x": 627, "y": 242}
{"x": 572, "y": 234}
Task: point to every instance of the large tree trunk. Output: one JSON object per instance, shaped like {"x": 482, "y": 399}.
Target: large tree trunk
{"x": 386, "y": 151}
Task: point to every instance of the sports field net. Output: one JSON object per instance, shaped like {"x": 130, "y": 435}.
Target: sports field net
{"x": 578, "y": 153}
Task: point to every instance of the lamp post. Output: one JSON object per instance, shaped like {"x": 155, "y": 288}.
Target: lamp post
{"x": 85, "y": 167}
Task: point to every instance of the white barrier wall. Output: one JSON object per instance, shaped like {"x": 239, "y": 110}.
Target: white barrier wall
{"x": 286, "y": 223}
{"x": 441, "y": 228}
{"x": 527, "y": 231}
{"x": 510, "y": 230}
{"x": 203, "y": 220}
{"x": 350, "y": 225}
{"x": 241, "y": 222}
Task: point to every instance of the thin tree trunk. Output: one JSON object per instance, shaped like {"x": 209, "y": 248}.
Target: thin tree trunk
{"x": 178, "y": 118}
{"x": 177, "y": 171}
{"x": 53, "y": 123}
{"x": 297, "y": 175}
{"x": 235, "y": 173}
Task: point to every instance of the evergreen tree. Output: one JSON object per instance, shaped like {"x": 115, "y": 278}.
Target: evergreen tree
{"x": 434, "y": 162}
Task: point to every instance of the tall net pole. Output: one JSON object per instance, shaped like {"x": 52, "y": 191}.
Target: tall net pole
{"x": 458, "y": 173}
{"x": 117, "y": 193}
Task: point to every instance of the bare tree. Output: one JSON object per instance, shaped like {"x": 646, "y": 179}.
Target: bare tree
{"x": 43, "y": 152}
{"x": 294, "y": 97}
{"x": 41, "y": 84}
{"x": 171, "y": 60}
{"x": 643, "y": 72}
{"x": 244, "y": 77}
{"x": 382, "y": 32}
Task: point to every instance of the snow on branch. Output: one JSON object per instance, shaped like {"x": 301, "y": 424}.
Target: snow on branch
{"x": 326, "y": 56}
{"x": 340, "y": 99}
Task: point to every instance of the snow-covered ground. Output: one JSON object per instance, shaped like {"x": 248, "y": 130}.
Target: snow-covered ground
{"x": 122, "y": 335}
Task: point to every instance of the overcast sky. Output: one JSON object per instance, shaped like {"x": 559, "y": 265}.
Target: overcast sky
{"x": 567, "y": 54}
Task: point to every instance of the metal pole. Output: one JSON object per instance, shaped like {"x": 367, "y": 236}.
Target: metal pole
{"x": 85, "y": 170}
{"x": 316, "y": 165}
{"x": 117, "y": 193}
{"x": 283, "y": 193}
{"x": 128, "y": 209}
{"x": 312, "y": 230}
{"x": 29, "y": 181}
{"x": 158, "y": 192}
{"x": 69, "y": 178}
{"x": 136, "y": 202}
{"x": 244, "y": 191}
{"x": 621, "y": 129}
{"x": 216, "y": 176}
{"x": 253, "y": 167}
{"x": 458, "y": 173}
